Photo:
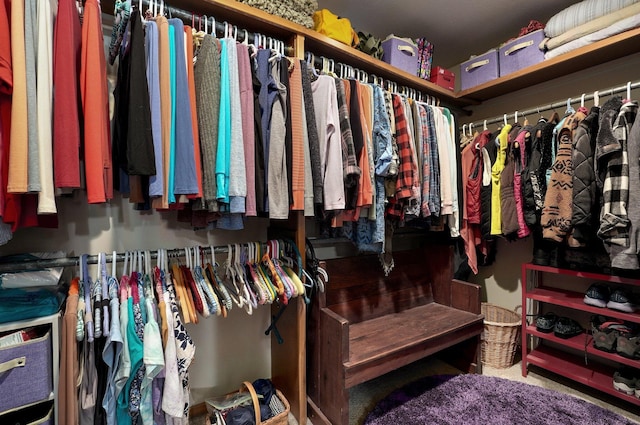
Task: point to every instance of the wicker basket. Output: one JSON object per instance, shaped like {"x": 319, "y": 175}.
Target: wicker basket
{"x": 500, "y": 336}
{"x": 281, "y": 418}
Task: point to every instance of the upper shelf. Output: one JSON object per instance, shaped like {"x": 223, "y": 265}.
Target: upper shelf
{"x": 256, "y": 20}
{"x": 597, "y": 53}
{"x": 305, "y": 39}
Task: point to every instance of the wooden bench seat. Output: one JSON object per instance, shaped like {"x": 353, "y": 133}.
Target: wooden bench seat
{"x": 366, "y": 324}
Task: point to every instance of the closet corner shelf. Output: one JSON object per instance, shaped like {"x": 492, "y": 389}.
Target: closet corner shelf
{"x": 602, "y": 51}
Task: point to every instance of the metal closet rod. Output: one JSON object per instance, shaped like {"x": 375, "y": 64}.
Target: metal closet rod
{"x": 556, "y": 105}
{"x": 43, "y": 263}
{"x": 198, "y": 21}
{"x": 347, "y": 71}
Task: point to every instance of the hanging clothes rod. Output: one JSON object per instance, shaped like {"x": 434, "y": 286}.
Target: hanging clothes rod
{"x": 342, "y": 70}
{"x": 559, "y": 104}
{"x": 39, "y": 264}
{"x": 199, "y": 22}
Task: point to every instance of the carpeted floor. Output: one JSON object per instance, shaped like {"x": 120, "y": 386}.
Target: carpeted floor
{"x": 364, "y": 397}
{"x": 479, "y": 399}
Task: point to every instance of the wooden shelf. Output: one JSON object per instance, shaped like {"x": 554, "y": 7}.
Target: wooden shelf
{"x": 614, "y": 47}
{"x": 575, "y": 301}
{"x": 321, "y": 45}
{"x": 578, "y": 343}
{"x": 256, "y": 20}
{"x": 571, "y": 366}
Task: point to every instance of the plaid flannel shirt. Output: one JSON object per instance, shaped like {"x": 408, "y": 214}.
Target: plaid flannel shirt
{"x": 430, "y": 164}
{"x": 614, "y": 220}
{"x": 404, "y": 182}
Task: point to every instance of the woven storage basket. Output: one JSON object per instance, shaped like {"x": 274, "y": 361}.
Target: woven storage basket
{"x": 281, "y": 418}
{"x": 500, "y": 336}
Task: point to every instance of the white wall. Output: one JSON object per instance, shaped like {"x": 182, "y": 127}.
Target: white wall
{"x": 501, "y": 280}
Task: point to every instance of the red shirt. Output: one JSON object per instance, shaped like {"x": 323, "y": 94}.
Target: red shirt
{"x": 66, "y": 100}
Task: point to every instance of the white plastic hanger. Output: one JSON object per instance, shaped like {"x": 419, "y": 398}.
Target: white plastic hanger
{"x": 570, "y": 109}
{"x": 596, "y": 98}
{"x": 114, "y": 259}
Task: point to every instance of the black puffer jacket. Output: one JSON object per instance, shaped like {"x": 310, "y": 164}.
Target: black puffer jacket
{"x": 585, "y": 201}
{"x": 530, "y": 185}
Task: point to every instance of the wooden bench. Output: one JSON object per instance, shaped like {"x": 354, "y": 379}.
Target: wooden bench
{"x": 366, "y": 324}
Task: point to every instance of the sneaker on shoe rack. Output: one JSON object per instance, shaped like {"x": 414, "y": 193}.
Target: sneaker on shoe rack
{"x": 605, "y": 332}
{"x": 625, "y": 380}
{"x": 622, "y": 300}
{"x": 597, "y": 295}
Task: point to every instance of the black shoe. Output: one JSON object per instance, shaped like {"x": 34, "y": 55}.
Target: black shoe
{"x": 546, "y": 323}
{"x": 622, "y": 300}
{"x": 567, "y": 328}
{"x": 597, "y": 295}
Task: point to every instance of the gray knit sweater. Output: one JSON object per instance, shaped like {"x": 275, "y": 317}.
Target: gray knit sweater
{"x": 207, "y": 83}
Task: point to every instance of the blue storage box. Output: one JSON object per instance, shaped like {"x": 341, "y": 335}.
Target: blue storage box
{"x": 521, "y": 52}
{"x": 26, "y": 375}
{"x": 479, "y": 70}
{"x": 401, "y": 53}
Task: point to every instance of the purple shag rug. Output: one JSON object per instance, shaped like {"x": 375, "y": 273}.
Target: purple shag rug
{"x": 477, "y": 399}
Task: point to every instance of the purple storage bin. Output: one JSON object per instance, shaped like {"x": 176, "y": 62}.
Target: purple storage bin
{"x": 479, "y": 70}
{"x": 521, "y": 52}
{"x": 402, "y": 54}
{"x": 27, "y": 375}
{"x": 38, "y": 414}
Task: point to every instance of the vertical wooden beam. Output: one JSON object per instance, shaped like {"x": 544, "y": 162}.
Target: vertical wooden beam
{"x": 289, "y": 359}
